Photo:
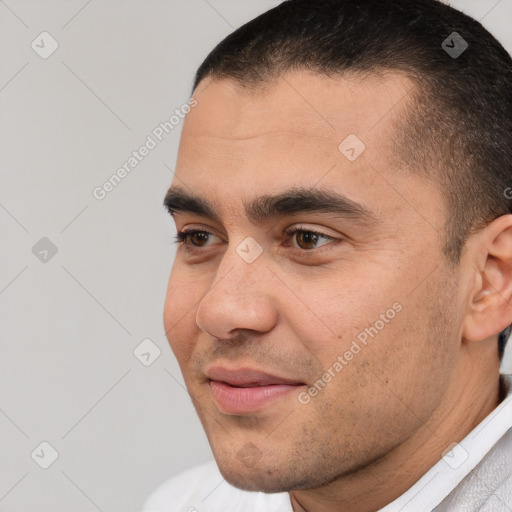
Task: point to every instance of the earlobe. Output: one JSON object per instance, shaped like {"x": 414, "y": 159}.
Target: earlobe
{"x": 490, "y": 306}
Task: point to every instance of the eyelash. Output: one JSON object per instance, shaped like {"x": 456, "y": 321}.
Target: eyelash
{"x": 183, "y": 236}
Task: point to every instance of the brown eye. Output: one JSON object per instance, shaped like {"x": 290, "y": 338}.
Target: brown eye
{"x": 307, "y": 240}
{"x": 197, "y": 237}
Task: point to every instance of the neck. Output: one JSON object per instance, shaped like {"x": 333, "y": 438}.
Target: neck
{"x": 472, "y": 395}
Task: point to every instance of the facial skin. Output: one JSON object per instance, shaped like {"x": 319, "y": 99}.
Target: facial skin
{"x": 425, "y": 380}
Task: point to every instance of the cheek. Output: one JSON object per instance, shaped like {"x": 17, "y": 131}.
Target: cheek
{"x": 368, "y": 337}
{"x": 344, "y": 311}
{"x": 179, "y": 316}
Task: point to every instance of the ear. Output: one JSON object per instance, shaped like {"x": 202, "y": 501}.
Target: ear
{"x": 490, "y": 302}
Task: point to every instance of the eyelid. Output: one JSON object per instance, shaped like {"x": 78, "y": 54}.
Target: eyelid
{"x": 333, "y": 241}
{"x": 289, "y": 231}
{"x": 182, "y": 235}
{"x": 309, "y": 229}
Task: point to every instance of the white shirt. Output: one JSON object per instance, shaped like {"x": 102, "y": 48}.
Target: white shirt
{"x": 475, "y": 475}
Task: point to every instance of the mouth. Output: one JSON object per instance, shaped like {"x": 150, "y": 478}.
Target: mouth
{"x": 247, "y": 391}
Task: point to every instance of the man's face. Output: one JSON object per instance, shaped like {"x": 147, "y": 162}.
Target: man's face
{"x": 308, "y": 357}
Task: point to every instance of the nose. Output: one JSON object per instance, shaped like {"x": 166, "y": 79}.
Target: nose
{"x": 239, "y": 298}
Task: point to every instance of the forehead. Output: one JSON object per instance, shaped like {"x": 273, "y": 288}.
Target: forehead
{"x": 315, "y": 104}
{"x": 239, "y": 143}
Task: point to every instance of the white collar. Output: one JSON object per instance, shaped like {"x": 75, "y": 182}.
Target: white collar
{"x": 442, "y": 478}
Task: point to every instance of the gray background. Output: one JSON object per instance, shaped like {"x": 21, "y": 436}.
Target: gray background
{"x": 70, "y": 323}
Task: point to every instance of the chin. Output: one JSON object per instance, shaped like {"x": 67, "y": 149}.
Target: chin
{"x": 255, "y": 480}
{"x": 262, "y": 478}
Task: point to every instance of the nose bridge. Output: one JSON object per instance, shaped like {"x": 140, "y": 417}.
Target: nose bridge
{"x": 242, "y": 268}
{"x": 240, "y": 297}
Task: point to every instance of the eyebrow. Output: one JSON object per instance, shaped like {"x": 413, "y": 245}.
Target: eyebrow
{"x": 268, "y": 207}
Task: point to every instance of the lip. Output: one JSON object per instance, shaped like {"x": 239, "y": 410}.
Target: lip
{"x": 247, "y": 390}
